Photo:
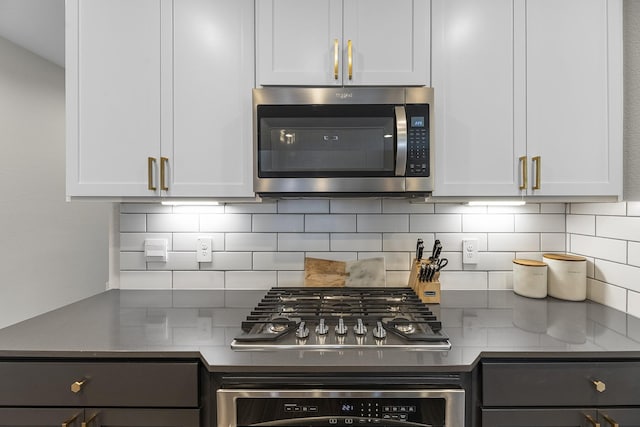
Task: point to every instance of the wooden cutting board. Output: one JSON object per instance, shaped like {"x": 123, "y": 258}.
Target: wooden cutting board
{"x": 324, "y": 272}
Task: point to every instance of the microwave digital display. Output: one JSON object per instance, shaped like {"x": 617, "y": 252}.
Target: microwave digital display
{"x": 417, "y": 122}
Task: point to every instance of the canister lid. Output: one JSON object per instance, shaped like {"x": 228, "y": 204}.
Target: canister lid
{"x": 529, "y": 262}
{"x": 564, "y": 257}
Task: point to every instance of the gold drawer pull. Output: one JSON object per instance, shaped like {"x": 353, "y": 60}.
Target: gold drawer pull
{"x": 523, "y": 162}
{"x": 93, "y": 418}
{"x": 151, "y": 161}
{"x": 589, "y": 418}
{"x": 536, "y": 160}
{"x": 600, "y": 386}
{"x": 77, "y": 386}
{"x": 610, "y": 421}
{"x": 70, "y": 421}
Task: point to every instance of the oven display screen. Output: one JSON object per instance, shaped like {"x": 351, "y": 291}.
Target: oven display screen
{"x": 348, "y": 408}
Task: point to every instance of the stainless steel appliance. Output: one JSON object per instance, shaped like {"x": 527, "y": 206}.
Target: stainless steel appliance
{"x": 444, "y": 407}
{"x": 313, "y": 318}
{"x": 343, "y": 141}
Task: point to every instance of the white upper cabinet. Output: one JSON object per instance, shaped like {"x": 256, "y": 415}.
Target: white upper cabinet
{"x": 213, "y": 74}
{"x": 343, "y": 42}
{"x": 528, "y": 97}
{"x": 162, "y": 106}
{"x": 113, "y": 96}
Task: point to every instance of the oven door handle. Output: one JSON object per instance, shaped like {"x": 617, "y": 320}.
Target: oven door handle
{"x": 401, "y": 135}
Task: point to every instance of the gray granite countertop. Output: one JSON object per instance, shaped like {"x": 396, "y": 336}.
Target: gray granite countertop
{"x": 201, "y": 325}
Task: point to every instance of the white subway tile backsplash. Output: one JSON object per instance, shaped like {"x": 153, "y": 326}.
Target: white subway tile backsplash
{"x": 189, "y": 241}
{"x": 284, "y": 223}
{"x": 459, "y": 208}
{"x": 163, "y": 223}
{"x": 520, "y": 242}
{"x": 229, "y": 261}
{"x": 622, "y": 275}
{"x": 355, "y": 206}
{"x": 250, "y": 208}
{"x": 553, "y": 208}
{"x": 406, "y": 242}
{"x": 500, "y": 223}
{"x": 536, "y": 256}
{"x": 397, "y": 278}
{"x": 330, "y": 223}
{"x": 552, "y": 242}
{"x": 303, "y": 242}
{"x": 633, "y": 303}
{"x": 619, "y": 209}
{"x": 549, "y": 223}
{"x": 392, "y": 260}
{"x": 633, "y": 254}
{"x": 133, "y": 223}
{"x": 500, "y": 280}
{"x": 356, "y": 242}
{"x": 625, "y": 228}
{"x": 288, "y": 279}
{"x": 278, "y": 261}
{"x": 581, "y": 224}
{"x": 529, "y": 208}
{"x": 175, "y": 261}
{"x": 144, "y": 208}
{"x": 145, "y": 280}
{"x": 443, "y": 223}
{"x": 492, "y": 261}
{"x": 382, "y": 223}
{"x": 195, "y": 209}
{"x": 402, "y": 206}
{"x": 334, "y": 256}
{"x": 598, "y": 247}
{"x": 198, "y": 280}
{"x": 463, "y": 280}
{"x": 250, "y": 279}
{"x": 251, "y": 242}
{"x": 633, "y": 208}
{"x": 606, "y": 294}
{"x": 225, "y": 223}
{"x": 303, "y": 206}
{"x": 453, "y": 241}
{"x": 132, "y": 261}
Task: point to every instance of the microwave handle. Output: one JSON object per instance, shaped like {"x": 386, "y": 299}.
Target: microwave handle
{"x": 401, "y": 150}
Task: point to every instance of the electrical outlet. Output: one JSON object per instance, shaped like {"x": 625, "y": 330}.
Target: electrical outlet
{"x": 470, "y": 251}
{"x": 203, "y": 250}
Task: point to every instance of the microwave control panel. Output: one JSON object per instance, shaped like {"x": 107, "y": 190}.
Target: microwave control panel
{"x": 417, "y": 140}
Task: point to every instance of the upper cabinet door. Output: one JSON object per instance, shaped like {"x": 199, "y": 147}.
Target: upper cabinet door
{"x": 299, "y": 42}
{"x": 473, "y": 80}
{"x": 386, "y": 42}
{"x": 574, "y": 96}
{"x": 210, "y": 153}
{"x": 113, "y": 96}
{"x": 343, "y": 42}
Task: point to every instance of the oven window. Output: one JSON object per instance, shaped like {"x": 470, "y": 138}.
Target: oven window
{"x": 326, "y": 141}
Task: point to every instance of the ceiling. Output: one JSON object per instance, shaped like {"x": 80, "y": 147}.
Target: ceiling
{"x": 36, "y": 25}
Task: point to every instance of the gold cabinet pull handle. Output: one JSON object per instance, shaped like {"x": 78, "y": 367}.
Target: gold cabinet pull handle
{"x": 589, "y": 419}
{"x": 536, "y": 160}
{"x": 93, "y": 417}
{"x": 336, "y": 58}
{"x": 523, "y": 163}
{"x": 350, "y": 58}
{"x": 610, "y": 421}
{"x": 151, "y": 161}
{"x": 600, "y": 386}
{"x": 70, "y": 421}
{"x": 164, "y": 161}
{"x": 77, "y": 386}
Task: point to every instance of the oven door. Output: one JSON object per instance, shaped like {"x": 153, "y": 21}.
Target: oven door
{"x": 337, "y": 407}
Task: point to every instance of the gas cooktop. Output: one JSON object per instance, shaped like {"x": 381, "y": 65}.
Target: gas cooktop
{"x": 341, "y": 318}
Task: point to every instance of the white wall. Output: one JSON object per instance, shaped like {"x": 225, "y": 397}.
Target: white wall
{"x": 51, "y": 252}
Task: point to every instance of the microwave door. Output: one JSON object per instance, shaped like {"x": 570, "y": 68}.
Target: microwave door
{"x": 401, "y": 138}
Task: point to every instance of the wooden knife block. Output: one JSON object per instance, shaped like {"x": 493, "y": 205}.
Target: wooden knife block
{"x": 428, "y": 292}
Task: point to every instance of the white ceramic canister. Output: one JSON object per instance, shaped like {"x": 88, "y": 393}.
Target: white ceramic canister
{"x": 530, "y": 278}
{"x": 567, "y": 276}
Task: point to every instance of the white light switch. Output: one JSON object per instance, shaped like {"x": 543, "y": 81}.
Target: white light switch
{"x": 203, "y": 250}
{"x": 470, "y": 251}
{"x": 156, "y": 249}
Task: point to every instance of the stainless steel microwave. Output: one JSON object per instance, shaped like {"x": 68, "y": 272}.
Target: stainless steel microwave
{"x": 343, "y": 141}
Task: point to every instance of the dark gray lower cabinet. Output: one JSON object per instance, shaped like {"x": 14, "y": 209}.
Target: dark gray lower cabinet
{"x": 561, "y": 393}
{"x": 87, "y": 393}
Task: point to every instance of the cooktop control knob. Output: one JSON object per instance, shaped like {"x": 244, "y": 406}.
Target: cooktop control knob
{"x": 302, "y": 331}
{"x": 359, "y": 328}
{"x": 322, "y": 328}
{"x": 379, "y": 331}
{"x": 341, "y": 329}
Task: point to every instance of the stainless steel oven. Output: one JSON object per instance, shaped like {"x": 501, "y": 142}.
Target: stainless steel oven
{"x": 341, "y": 141}
{"x": 318, "y": 407}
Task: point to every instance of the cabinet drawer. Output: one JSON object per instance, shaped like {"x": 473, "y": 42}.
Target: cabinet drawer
{"x": 560, "y": 384}
{"x": 144, "y": 384}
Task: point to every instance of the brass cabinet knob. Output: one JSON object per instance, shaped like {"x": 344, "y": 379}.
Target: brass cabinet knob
{"x": 610, "y": 421}
{"x": 591, "y": 421}
{"x": 600, "y": 386}
{"x": 77, "y": 386}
